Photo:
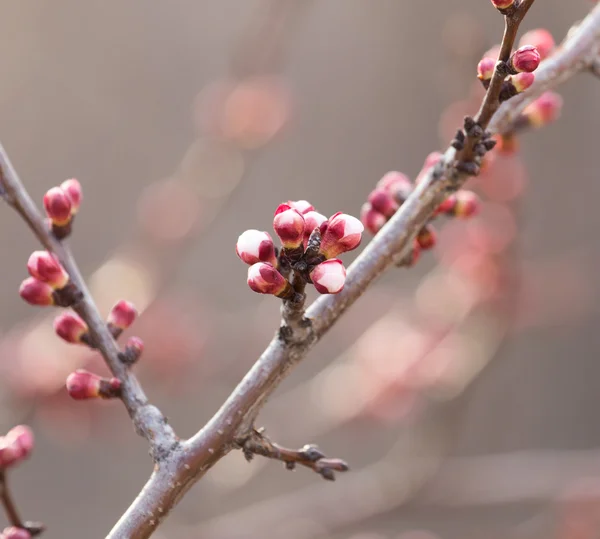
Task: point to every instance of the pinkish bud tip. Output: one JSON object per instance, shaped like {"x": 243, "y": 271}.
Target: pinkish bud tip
{"x": 15, "y": 446}
{"x": 541, "y": 39}
{"x": 521, "y": 81}
{"x": 58, "y": 206}
{"x": 383, "y": 202}
{"x": 73, "y": 190}
{"x": 255, "y": 246}
{"x": 427, "y": 237}
{"x": 83, "y": 384}
{"x": 329, "y": 276}
{"x": 398, "y": 185}
{"x": 289, "y": 226}
{"x": 371, "y": 218}
{"x": 265, "y": 279}
{"x": 71, "y": 328}
{"x": 446, "y": 206}
{"x": 36, "y": 292}
{"x": 15, "y": 533}
{"x": 312, "y": 220}
{"x": 485, "y": 68}
{"x": 525, "y": 59}
{"x": 339, "y": 234}
{"x": 302, "y": 206}
{"x": 544, "y": 110}
{"x": 467, "y": 204}
{"x": 502, "y": 4}
{"x": 122, "y": 315}
{"x": 46, "y": 268}
{"x": 133, "y": 349}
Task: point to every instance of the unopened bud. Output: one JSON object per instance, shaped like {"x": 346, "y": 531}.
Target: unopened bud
{"x": 69, "y": 327}
{"x": 58, "y": 206}
{"x": 427, "y": 237}
{"x": 339, "y": 234}
{"x": 521, "y": 81}
{"x": 502, "y": 4}
{"x": 122, "y": 315}
{"x": 15, "y": 533}
{"x": 15, "y": 446}
{"x": 329, "y": 276}
{"x": 302, "y": 206}
{"x": 383, "y": 202}
{"x": 372, "y": 219}
{"x": 485, "y": 69}
{"x": 83, "y": 384}
{"x": 312, "y": 220}
{"x": 397, "y": 184}
{"x": 525, "y": 59}
{"x": 544, "y": 110}
{"x": 289, "y": 226}
{"x": 255, "y": 246}
{"x": 133, "y": 350}
{"x": 46, "y": 268}
{"x": 36, "y": 292}
{"x": 467, "y": 204}
{"x": 541, "y": 39}
{"x": 73, "y": 190}
{"x": 265, "y": 279}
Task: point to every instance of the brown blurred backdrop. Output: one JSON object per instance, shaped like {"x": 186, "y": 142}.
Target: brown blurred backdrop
{"x": 109, "y": 92}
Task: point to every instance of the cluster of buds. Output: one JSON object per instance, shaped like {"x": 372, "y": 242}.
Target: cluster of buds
{"x": 310, "y": 243}
{"x": 61, "y": 204}
{"x": 15, "y": 446}
{"x": 49, "y": 282}
{"x": 393, "y": 190}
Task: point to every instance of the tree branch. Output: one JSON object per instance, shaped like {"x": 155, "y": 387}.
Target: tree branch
{"x": 149, "y": 422}
{"x": 236, "y": 417}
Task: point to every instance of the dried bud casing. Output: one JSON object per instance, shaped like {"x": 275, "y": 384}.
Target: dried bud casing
{"x": 82, "y": 385}
{"x": 371, "y": 218}
{"x": 289, "y": 226}
{"x": 525, "y": 59}
{"x": 36, "y": 292}
{"x": 339, "y": 234}
{"x": 16, "y": 446}
{"x": 73, "y": 190}
{"x": 46, "y": 268}
{"x": 265, "y": 279}
{"x": 58, "y": 207}
{"x": 255, "y": 246}
{"x": 122, "y": 315}
{"x": 329, "y": 276}
{"x": 71, "y": 328}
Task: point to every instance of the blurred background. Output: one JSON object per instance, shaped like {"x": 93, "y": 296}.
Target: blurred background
{"x": 463, "y": 392}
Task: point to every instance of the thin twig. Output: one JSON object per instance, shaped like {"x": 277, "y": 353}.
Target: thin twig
{"x": 309, "y": 455}
{"x": 149, "y": 422}
{"x": 7, "y": 502}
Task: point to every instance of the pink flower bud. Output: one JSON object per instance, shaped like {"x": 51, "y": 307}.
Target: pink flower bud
{"x": 302, "y": 206}
{"x": 541, "y": 39}
{"x": 339, "y": 234}
{"x": 312, "y": 220}
{"x": 15, "y": 533}
{"x": 133, "y": 349}
{"x": 398, "y": 185}
{"x": 289, "y": 226}
{"x": 36, "y": 292}
{"x": 382, "y": 202}
{"x": 58, "y": 206}
{"x": 447, "y": 205}
{"x": 329, "y": 276}
{"x": 427, "y": 237}
{"x": 16, "y": 446}
{"x": 521, "y": 81}
{"x": 502, "y": 4}
{"x": 83, "y": 384}
{"x": 46, "y": 268}
{"x": 415, "y": 255}
{"x": 255, "y": 246}
{"x": 122, "y": 315}
{"x": 544, "y": 109}
{"x": 73, "y": 190}
{"x": 485, "y": 68}
{"x": 526, "y": 59}
{"x": 467, "y": 204}
{"x": 69, "y": 327}
{"x": 265, "y": 279}
{"x": 371, "y": 218}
